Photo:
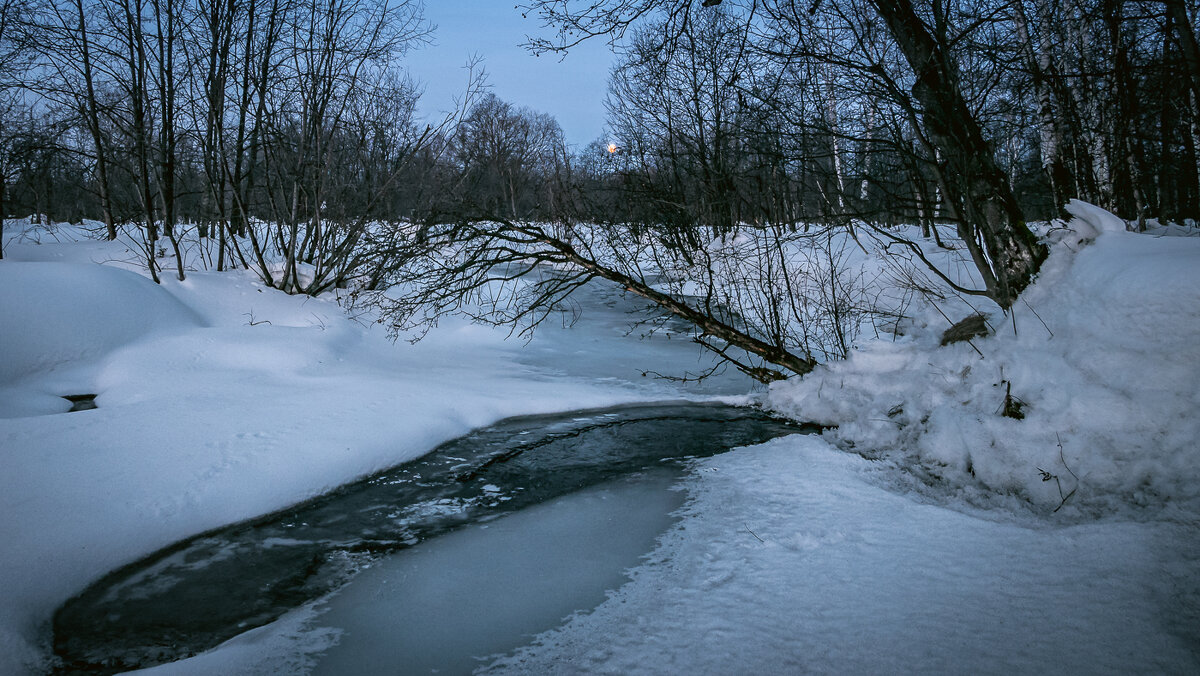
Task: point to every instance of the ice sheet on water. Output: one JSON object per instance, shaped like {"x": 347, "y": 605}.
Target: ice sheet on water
{"x": 487, "y": 589}
{"x": 452, "y": 601}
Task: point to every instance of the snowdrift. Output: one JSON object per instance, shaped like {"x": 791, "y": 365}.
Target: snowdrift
{"x": 221, "y": 399}
{"x": 1099, "y": 355}
{"x": 57, "y": 314}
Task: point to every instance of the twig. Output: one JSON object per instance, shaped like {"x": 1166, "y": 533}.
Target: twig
{"x": 688, "y": 376}
{"x": 754, "y": 534}
{"x": 1035, "y": 314}
{"x": 252, "y": 322}
{"x": 1047, "y": 476}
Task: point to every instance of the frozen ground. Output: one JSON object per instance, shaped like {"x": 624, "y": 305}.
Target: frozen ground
{"x": 220, "y": 399}
{"x": 933, "y": 547}
{"x": 792, "y": 559}
{"x": 941, "y": 543}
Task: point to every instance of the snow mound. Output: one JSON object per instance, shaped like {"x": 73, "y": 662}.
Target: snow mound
{"x": 221, "y": 399}
{"x": 1091, "y": 220}
{"x": 1100, "y": 357}
{"x": 56, "y": 313}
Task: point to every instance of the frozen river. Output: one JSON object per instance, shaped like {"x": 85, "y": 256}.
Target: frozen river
{"x": 194, "y": 595}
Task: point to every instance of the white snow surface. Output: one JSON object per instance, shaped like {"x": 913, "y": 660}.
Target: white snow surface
{"x": 792, "y": 559}
{"x": 1090, "y": 220}
{"x": 917, "y": 537}
{"x": 934, "y": 545}
{"x": 1098, "y": 351}
{"x": 221, "y": 399}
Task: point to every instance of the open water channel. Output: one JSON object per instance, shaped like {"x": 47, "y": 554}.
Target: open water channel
{"x": 192, "y": 596}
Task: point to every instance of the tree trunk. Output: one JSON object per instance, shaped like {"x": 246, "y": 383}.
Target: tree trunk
{"x": 1182, "y": 25}
{"x": 137, "y": 87}
{"x": 990, "y": 213}
{"x": 1178, "y": 16}
{"x": 1189, "y": 201}
{"x": 1126, "y": 151}
{"x": 93, "y": 121}
{"x": 708, "y": 324}
{"x": 1049, "y": 124}
{"x": 164, "y": 11}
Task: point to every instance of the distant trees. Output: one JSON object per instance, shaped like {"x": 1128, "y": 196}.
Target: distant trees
{"x": 746, "y": 133}
{"x": 754, "y": 127}
{"x": 1074, "y": 98}
{"x": 729, "y": 123}
{"x": 748, "y": 111}
{"x": 507, "y": 159}
{"x": 1112, "y": 87}
{"x": 217, "y": 112}
{"x": 681, "y": 114}
{"x": 692, "y": 166}
{"x": 10, "y": 102}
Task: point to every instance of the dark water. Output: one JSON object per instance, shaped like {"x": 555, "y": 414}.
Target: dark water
{"x": 81, "y": 402}
{"x": 196, "y": 594}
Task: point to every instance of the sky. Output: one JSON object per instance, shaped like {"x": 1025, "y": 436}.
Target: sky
{"x": 571, "y": 88}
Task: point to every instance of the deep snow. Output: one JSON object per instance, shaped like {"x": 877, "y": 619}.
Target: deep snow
{"x": 932, "y": 547}
{"x": 220, "y": 399}
{"x": 1101, "y": 352}
{"x": 792, "y": 559}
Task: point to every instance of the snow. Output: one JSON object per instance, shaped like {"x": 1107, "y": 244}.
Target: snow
{"x": 934, "y": 545}
{"x": 220, "y": 399}
{"x": 794, "y": 559}
{"x": 505, "y": 580}
{"x": 1099, "y": 357}
{"x": 80, "y": 313}
{"x": 918, "y": 536}
{"x": 1091, "y": 220}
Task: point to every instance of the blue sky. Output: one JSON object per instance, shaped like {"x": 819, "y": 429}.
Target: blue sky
{"x": 571, "y": 89}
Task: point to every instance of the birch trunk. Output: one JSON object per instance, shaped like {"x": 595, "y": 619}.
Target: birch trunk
{"x": 1049, "y": 125}
{"x": 1010, "y": 254}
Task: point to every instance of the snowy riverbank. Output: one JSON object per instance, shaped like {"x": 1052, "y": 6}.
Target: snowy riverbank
{"x": 220, "y": 399}
{"x": 943, "y": 552}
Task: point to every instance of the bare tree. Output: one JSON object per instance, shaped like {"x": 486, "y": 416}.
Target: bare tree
{"x": 1182, "y": 25}
{"x": 338, "y": 47}
{"x": 1005, "y": 252}
{"x": 519, "y": 273}
{"x": 1038, "y": 57}
{"x": 8, "y": 97}
{"x": 505, "y": 157}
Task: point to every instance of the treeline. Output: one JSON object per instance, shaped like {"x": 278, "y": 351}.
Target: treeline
{"x": 772, "y": 118}
{"x": 226, "y": 113}
{"x": 792, "y": 112}
{"x": 212, "y": 112}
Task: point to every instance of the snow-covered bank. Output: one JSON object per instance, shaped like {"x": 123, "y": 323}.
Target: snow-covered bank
{"x": 795, "y": 559}
{"x": 933, "y": 547}
{"x": 220, "y": 399}
{"x": 1102, "y": 356}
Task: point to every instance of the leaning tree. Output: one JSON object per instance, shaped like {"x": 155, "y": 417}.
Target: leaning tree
{"x": 760, "y": 83}
{"x": 986, "y": 213}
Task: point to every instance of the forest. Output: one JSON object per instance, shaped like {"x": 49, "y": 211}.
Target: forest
{"x": 860, "y": 339}
{"x": 282, "y": 137}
